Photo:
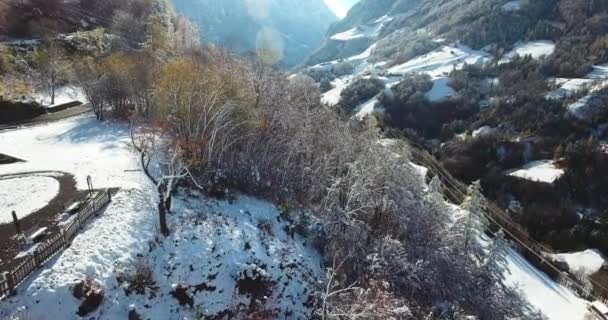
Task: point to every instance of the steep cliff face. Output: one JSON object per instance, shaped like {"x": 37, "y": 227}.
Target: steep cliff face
{"x": 293, "y": 28}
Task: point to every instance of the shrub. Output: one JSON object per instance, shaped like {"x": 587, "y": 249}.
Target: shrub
{"x": 91, "y": 293}
{"x": 360, "y": 91}
{"x": 11, "y": 112}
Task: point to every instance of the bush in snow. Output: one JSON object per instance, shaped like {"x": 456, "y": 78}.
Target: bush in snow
{"x": 140, "y": 280}
{"x": 360, "y": 91}
{"x": 91, "y": 293}
{"x": 325, "y": 85}
{"x": 254, "y": 282}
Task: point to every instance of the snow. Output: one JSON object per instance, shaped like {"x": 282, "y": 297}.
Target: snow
{"x": 484, "y": 131}
{"x": 602, "y": 308}
{"x": 535, "y": 49}
{"x": 594, "y": 81}
{"x": 25, "y": 195}
{"x": 552, "y": 299}
{"x": 599, "y": 72}
{"x": 80, "y": 146}
{"x": 567, "y": 87}
{"x": 363, "y": 55}
{"x": 555, "y": 301}
{"x": 578, "y": 107}
{"x": 366, "y": 109}
{"x": 332, "y": 97}
{"x": 440, "y": 90}
{"x": 512, "y": 6}
{"x": 540, "y": 171}
{"x": 588, "y": 262}
{"x": 350, "y": 34}
{"x": 440, "y": 62}
{"x": 207, "y": 246}
{"x": 370, "y": 30}
{"x": 63, "y": 95}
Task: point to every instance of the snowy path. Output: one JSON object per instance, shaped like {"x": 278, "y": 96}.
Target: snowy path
{"x": 552, "y": 299}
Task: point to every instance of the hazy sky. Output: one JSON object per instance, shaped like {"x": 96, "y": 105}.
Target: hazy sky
{"x": 340, "y": 7}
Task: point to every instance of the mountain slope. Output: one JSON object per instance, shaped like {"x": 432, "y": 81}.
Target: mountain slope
{"x": 294, "y": 28}
{"x": 491, "y": 88}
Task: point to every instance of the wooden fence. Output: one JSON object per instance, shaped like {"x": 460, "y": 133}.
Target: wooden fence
{"x": 49, "y": 248}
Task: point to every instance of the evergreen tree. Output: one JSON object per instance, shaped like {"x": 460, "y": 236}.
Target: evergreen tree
{"x": 495, "y": 260}
{"x": 472, "y": 222}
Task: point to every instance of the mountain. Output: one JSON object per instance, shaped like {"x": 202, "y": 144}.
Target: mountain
{"x": 511, "y": 93}
{"x": 294, "y": 28}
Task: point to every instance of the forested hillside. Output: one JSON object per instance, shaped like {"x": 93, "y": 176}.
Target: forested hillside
{"x": 238, "y": 191}
{"x": 511, "y": 93}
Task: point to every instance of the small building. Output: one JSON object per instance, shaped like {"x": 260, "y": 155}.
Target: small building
{"x": 599, "y": 310}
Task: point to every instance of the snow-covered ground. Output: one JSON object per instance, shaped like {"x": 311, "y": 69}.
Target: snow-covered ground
{"x": 81, "y": 146}
{"x": 365, "y": 31}
{"x": 63, "y": 95}
{"x": 213, "y": 244}
{"x": 440, "y": 62}
{"x": 552, "y": 299}
{"x": 588, "y": 262}
{"x": 594, "y": 81}
{"x": 540, "y": 171}
{"x": 484, "y": 131}
{"x": 25, "y": 195}
{"x": 535, "y": 49}
{"x": 566, "y": 87}
{"x": 512, "y": 6}
{"x": 332, "y": 97}
{"x": 440, "y": 90}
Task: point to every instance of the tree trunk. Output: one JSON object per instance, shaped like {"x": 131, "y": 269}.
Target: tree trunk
{"x": 162, "y": 209}
{"x": 53, "y": 89}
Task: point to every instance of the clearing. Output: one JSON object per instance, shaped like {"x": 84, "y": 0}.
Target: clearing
{"x": 25, "y": 195}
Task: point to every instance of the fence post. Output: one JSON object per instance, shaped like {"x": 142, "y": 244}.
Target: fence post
{"x": 109, "y": 196}
{"x": 10, "y": 282}
{"x": 66, "y": 241}
{"x": 36, "y": 259}
{"x": 16, "y": 222}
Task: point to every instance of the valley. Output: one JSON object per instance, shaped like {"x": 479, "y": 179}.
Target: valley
{"x": 431, "y": 159}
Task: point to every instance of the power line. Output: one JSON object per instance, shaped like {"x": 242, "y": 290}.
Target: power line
{"x": 455, "y": 186}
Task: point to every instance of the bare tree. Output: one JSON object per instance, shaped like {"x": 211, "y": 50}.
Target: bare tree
{"x": 52, "y": 63}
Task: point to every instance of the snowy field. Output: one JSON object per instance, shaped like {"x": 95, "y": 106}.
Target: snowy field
{"x": 214, "y": 244}
{"x": 440, "y": 62}
{"x": 540, "y": 171}
{"x": 535, "y": 49}
{"x": 25, "y": 195}
{"x": 588, "y": 261}
{"x": 366, "y": 31}
{"x": 594, "y": 81}
{"x": 81, "y": 146}
{"x": 63, "y": 95}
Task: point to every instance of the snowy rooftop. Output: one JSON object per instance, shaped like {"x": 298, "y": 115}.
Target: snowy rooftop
{"x": 589, "y": 261}
{"x": 540, "y": 171}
